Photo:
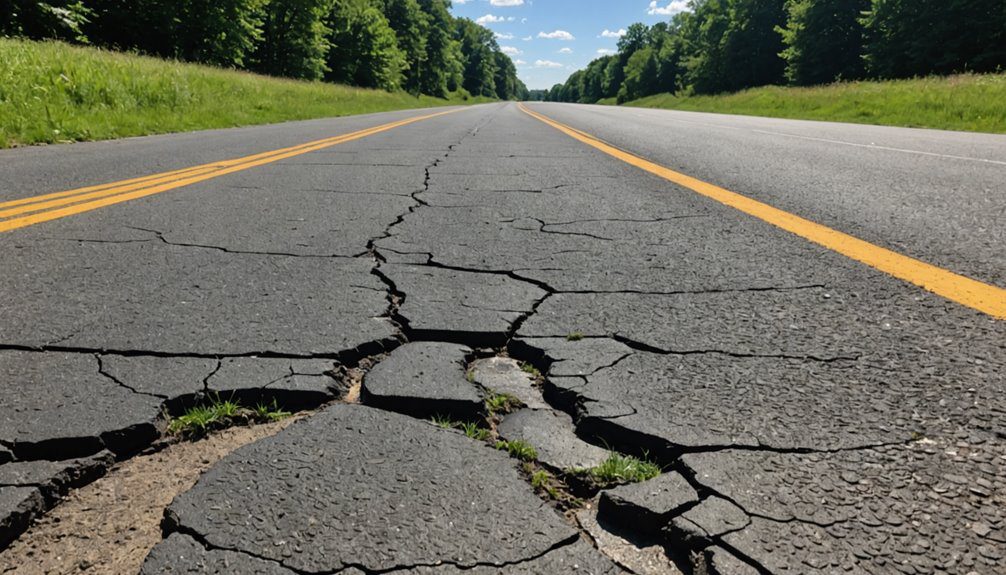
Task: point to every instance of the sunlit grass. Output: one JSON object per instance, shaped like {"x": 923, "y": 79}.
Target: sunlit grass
{"x": 970, "y": 102}
{"x": 54, "y": 92}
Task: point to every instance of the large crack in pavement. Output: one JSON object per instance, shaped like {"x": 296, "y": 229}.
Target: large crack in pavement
{"x": 787, "y": 443}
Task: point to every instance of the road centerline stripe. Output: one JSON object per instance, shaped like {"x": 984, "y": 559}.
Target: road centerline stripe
{"x": 47, "y": 207}
{"x": 966, "y": 291}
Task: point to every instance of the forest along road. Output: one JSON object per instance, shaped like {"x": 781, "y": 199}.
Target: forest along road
{"x": 802, "y": 323}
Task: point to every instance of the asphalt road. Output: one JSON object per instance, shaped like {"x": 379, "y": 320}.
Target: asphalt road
{"x": 812, "y": 413}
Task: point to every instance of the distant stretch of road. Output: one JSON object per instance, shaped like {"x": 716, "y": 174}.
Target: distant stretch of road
{"x": 802, "y": 323}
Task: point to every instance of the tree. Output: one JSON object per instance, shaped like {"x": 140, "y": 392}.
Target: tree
{"x": 505, "y": 77}
{"x": 640, "y": 76}
{"x": 294, "y": 39}
{"x": 219, "y": 32}
{"x": 441, "y": 71}
{"x": 363, "y": 50}
{"x": 593, "y": 80}
{"x": 479, "y": 62}
{"x": 824, "y": 40}
{"x": 411, "y": 26}
{"x": 614, "y": 75}
{"x": 918, "y": 37}
{"x": 753, "y": 45}
{"x": 58, "y": 19}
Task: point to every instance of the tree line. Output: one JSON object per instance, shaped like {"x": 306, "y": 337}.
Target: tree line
{"x": 412, "y": 45}
{"x": 729, "y": 45}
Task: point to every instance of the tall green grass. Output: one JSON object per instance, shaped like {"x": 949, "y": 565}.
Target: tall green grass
{"x": 54, "y": 92}
{"x": 969, "y": 102}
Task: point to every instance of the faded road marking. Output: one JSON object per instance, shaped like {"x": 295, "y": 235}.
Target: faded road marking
{"x": 57, "y": 205}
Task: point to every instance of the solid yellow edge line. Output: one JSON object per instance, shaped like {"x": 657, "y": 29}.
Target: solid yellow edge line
{"x": 966, "y": 291}
{"x": 126, "y": 190}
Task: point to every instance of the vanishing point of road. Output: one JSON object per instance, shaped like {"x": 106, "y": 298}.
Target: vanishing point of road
{"x": 803, "y": 323}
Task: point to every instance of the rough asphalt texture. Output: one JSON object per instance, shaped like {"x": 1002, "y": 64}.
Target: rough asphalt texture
{"x": 812, "y": 414}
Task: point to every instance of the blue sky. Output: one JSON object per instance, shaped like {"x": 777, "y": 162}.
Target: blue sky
{"x": 551, "y": 39}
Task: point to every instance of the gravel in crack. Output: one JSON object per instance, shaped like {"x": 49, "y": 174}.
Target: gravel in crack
{"x": 109, "y": 526}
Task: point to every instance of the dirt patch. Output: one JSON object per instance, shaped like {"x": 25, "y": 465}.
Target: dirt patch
{"x": 109, "y": 526}
{"x": 642, "y": 557}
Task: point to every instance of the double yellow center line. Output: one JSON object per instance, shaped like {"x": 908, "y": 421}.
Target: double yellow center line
{"x": 24, "y": 212}
{"x": 972, "y": 293}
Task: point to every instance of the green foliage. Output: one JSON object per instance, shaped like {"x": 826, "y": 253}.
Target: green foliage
{"x": 444, "y": 422}
{"x": 966, "y": 102}
{"x": 294, "y": 39}
{"x": 618, "y": 468}
{"x": 271, "y": 411}
{"x": 470, "y": 429}
{"x": 530, "y": 370}
{"x": 502, "y": 403}
{"x": 917, "y": 37}
{"x": 219, "y": 413}
{"x": 824, "y": 40}
{"x": 640, "y": 75}
{"x": 540, "y": 479}
{"x": 364, "y": 50}
{"x": 390, "y": 44}
{"x": 575, "y": 336}
{"x": 518, "y": 449}
{"x": 721, "y": 46}
{"x": 57, "y": 19}
{"x": 475, "y": 431}
{"x": 411, "y": 26}
{"x": 53, "y": 92}
{"x": 478, "y": 45}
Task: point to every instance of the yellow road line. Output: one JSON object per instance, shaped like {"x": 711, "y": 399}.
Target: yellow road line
{"x": 972, "y": 293}
{"x": 62, "y": 204}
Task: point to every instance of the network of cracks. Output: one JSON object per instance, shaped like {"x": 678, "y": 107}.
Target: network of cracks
{"x": 782, "y": 449}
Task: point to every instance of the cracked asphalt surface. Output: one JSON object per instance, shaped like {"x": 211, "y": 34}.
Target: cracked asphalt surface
{"x": 811, "y": 414}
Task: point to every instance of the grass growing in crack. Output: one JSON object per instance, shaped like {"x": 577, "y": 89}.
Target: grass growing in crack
{"x": 474, "y": 431}
{"x": 502, "y": 403}
{"x": 618, "y": 468}
{"x": 220, "y": 413}
{"x": 470, "y": 429}
{"x": 546, "y": 484}
{"x": 519, "y": 449}
{"x": 575, "y": 336}
{"x": 530, "y": 370}
{"x": 445, "y": 422}
{"x": 470, "y": 376}
{"x": 271, "y": 411}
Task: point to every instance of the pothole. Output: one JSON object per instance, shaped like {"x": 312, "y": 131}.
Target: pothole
{"x": 109, "y": 526}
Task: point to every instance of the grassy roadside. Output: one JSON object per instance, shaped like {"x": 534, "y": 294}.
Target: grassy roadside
{"x": 53, "y": 92}
{"x": 975, "y": 103}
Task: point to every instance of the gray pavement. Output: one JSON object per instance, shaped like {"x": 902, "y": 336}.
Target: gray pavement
{"x": 811, "y": 414}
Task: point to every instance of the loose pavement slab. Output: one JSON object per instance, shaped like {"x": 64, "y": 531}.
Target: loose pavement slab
{"x": 425, "y": 379}
{"x": 338, "y": 491}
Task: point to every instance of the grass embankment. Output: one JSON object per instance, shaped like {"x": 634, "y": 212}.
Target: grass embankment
{"x": 970, "y": 102}
{"x": 54, "y": 92}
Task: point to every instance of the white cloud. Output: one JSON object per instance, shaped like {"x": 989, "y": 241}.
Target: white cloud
{"x": 506, "y": 2}
{"x": 546, "y": 64}
{"x": 510, "y": 51}
{"x": 616, "y": 34}
{"x": 566, "y": 51}
{"x": 527, "y": 38}
{"x": 605, "y": 52}
{"x": 492, "y": 19}
{"x": 519, "y": 62}
{"x": 673, "y": 7}
{"x": 557, "y": 35}
{"x": 502, "y": 36}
